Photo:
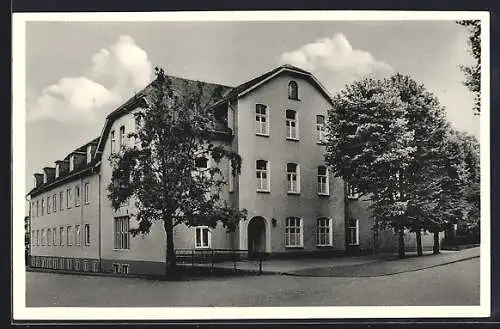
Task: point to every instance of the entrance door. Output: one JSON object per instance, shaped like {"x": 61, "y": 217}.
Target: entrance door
{"x": 256, "y": 236}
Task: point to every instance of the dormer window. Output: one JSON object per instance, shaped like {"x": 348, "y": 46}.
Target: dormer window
{"x": 89, "y": 154}
{"x": 293, "y": 90}
{"x": 71, "y": 163}
{"x": 57, "y": 170}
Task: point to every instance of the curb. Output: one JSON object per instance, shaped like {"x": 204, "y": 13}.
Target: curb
{"x": 377, "y": 275}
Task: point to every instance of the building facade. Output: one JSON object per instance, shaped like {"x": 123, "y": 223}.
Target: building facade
{"x": 276, "y": 122}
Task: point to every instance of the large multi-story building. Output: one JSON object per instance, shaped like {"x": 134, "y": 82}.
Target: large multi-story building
{"x": 276, "y": 122}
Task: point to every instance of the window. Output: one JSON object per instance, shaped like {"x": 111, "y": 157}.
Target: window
{"x": 54, "y": 241}
{"x": 37, "y": 208}
{"x": 49, "y": 236}
{"x": 201, "y": 163}
{"x": 87, "y": 234}
{"x": 293, "y": 177}
{"x": 43, "y": 237}
{"x": 293, "y": 90}
{"x": 324, "y": 232}
{"x": 61, "y": 203}
{"x": 57, "y": 170}
{"x": 113, "y": 141}
{"x": 202, "y": 237}
{"x": 71, "y": 163}
{"x": 320, "y": 129}
{"x": 89, "y": 153}
{"x": 293, "y": 232}
{"x": 77, "y": 195}
{"x": 68, "y": 198}
{"x": 77, "y": 235}
{"x": 122, "y": 136}
{"x": 352, "y": 192}
{"x": 43, "y": 206}
{"x": 86, "y": 193}
{"x": 32, "y": 209}
{"x": 261, "y": 120}
{"x": 37, "y": 237}
{"x": 124, "y": 268}
{"x": 263, "y": 182}
{"x": 122, "y": 235}
{"x": 323, "y": 182}
{"x": 291, "y": 125}
{"x": 49, "y": 206}
{"x": 231, "y": 177}
{"x": 61, "y": 236}
{"x": 69, "y": 235}
{"x": 353, "y": 232}
{"x": 116, "y": 268}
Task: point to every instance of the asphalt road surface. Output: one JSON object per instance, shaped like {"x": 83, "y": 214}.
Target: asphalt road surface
{"x": 452, "y": 284}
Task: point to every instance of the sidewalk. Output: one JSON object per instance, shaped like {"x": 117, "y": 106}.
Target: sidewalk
{"x": 361, "y": 266}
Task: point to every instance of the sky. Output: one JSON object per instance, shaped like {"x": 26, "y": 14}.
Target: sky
{"x": 78, "y": 72}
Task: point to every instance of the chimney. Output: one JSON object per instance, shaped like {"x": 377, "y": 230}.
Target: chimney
{"x": 49, "y": 174}
{"x": 63, "y": 167}
{"x": 38, "y": 179}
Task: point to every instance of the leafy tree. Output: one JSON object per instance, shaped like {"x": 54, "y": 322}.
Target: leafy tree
{"x": 161, "y": 172}
{"x": 427, "y": 119}
{"x": 370, "y": 147}
{"x": 473, "y": 72}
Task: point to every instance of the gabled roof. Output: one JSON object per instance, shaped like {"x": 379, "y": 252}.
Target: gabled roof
{"x": 246, "y": 87}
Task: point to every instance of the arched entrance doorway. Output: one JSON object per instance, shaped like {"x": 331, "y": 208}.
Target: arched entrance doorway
{"x": 256, "y": 236}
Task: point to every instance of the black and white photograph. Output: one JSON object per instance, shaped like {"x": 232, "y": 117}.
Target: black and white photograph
{"x": 251, "y": 165}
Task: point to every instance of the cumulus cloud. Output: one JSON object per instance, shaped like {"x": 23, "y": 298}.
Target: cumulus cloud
{"x": 116, "y": 72}
{"x": 335, "y": 61}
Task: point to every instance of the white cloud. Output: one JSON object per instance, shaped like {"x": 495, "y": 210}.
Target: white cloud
{"x": 116, "y": 72}
{"x": 335, "y": 61}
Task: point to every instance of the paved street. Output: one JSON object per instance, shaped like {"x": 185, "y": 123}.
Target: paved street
{"x": 451, "y": 284}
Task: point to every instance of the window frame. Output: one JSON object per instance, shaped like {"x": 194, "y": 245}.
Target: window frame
{"x": 356, "y": 228}
{"x": 203, "y": 244}
{"x": 122, "y": 136}
{"x": 61, "y": 236}
{"x": 77, "y": 195}
{"x": 49, "y": 205}
{"x": 293, "y": 90}
{"x": 121, "y": 234}
{"x": 54, "y": 202}
{"x": 69, "y": 198}
{"x": 266, "y": 171}
{"x": 290, "y": 174}
{"x": 292, "y": 125}
{"x": 321, "y": 130}
{"x": 69, "y": 235}
{"x": 61, "y": 200}
{"x": 112, "y": 138}
{"x": 288, "y": 233}
{"x": 86, "y": 193}
{"x": 352, "y": 192}
{"x": 327, "y": 232}
{"x": 326, "y": 177}
{"x": 261, "y": 124}
{"x": 78, "y": 239}
{"x": 86, "y": 232}
{"x": 43, "y": 206}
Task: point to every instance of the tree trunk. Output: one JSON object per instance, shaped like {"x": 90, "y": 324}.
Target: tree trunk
{"x": 435, "y": 248}
{"x": 170, "y": 261}
{"x": 420, "y": 251}
{"x": 401, "y": 243}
